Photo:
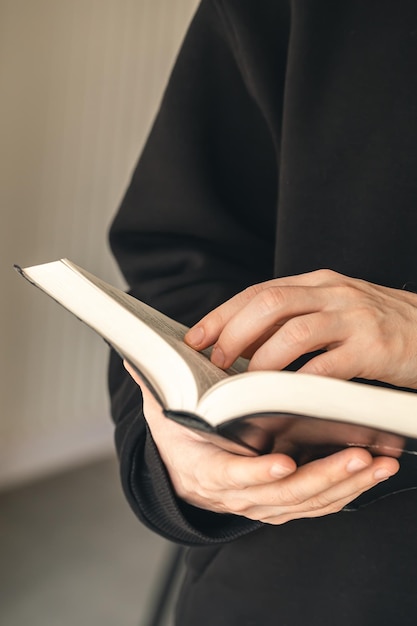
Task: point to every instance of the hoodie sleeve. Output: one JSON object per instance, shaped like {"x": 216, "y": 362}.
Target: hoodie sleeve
{"x": 196, "y": 226}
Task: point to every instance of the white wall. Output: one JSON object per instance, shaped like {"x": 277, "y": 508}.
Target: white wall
{"x": 80, "y": 82}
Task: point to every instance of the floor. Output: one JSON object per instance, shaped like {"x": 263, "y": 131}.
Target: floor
{"x": 72, "y": 553}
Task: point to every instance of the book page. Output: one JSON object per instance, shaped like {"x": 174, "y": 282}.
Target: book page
{"x": 296, "y": 393}
{"x": 205, "y": 373}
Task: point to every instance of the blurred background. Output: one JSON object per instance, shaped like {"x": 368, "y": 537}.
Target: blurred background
{"x": 80, "y": 83}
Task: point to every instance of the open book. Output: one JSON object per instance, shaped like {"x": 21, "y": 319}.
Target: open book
{"x": 250, "y": 413}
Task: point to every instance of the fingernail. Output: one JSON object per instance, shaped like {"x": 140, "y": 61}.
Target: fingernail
{"x": 217, "y": 357}
{"x": 279, "y": 471}
{"x": 356, "y": 465}
{"x": 195, "y": 336}
{"x": 382, "y": 474}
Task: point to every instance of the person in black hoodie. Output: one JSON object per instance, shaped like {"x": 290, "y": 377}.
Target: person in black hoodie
{"x": 283, "y": 159}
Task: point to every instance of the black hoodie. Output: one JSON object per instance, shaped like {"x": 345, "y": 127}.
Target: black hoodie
{"x": 286, "y": 141}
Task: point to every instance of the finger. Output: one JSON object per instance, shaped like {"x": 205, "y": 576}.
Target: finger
{"x": 283, "y": 516}
{"x": 238, "y": 472}
{"x": 339, "y": 362}
{"x": 218, "y": 480}
{"x": 320, "y": 475}
{"x": 299, "y": 496}
{"x": 298, "y": 336}
{"x": 231, "y": 472}
{"x": 207, "y": 330}
{"x": 342, "y": 476}
{"x": 271, "y": 307}
{"x": 253, "y": 347}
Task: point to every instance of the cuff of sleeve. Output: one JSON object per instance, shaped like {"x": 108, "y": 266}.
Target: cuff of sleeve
{"x": 150, "y": 493}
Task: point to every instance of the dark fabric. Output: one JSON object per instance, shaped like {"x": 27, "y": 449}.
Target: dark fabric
{"x": 354, "y": 569}
{"x": 285, "y": 142}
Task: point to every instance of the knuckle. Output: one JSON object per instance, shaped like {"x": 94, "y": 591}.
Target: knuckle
{"x": 288, "y": 497}
{"x": 321, "y": 503}
{"x": 333, "y": 507}
{"x": 296, "y": 331}
{"x": 351, "y": 291}
{"x": 345, "y": 294}
{"x": 325, "y": 276}
{"x": 215, "y": 320}
{"x": 249, "y": 293}
{"x": 322, "y": 366}
{"x": 271, "y": 298}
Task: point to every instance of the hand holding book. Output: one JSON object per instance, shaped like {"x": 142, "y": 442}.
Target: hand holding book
{"x": 331, "y": 429}
{"x": 362, "y": 330}
{"x": 269, "y": 488}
